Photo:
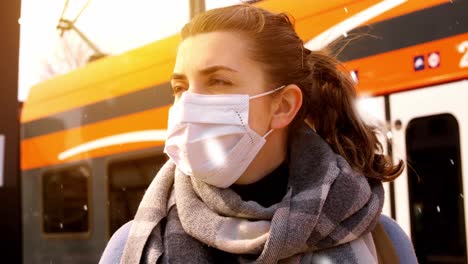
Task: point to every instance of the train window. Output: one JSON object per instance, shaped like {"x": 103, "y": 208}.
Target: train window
{"x": 128, "y": 181}
{"x": 65, "y": 204}
{"x": 435, "y": 189}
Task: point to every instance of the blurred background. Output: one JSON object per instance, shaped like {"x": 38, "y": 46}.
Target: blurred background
{"x": 84, "y": 99}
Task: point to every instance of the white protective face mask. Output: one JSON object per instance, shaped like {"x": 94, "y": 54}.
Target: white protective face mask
{"x": 208, "y": 136}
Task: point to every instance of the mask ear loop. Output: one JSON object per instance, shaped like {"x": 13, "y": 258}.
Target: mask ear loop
{"x": 267, "y": 93}
{"x": 268, "y": 133}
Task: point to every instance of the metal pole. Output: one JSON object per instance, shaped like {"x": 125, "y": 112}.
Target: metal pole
{"x": 196, "y": 7}
{"x": 70, "y": 25}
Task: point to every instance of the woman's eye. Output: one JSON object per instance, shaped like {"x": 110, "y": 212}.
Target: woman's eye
{"x": 177, "y": 89}
{"x": 218, "y": 82}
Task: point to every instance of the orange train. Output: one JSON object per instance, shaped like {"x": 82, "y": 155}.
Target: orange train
{"x": 91, "y": 140}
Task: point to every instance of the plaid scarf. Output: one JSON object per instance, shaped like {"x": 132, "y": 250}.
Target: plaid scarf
{"x": 326, "y": 214}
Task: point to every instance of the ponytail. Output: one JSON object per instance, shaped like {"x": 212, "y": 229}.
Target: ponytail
{"x": 329, "y": 104}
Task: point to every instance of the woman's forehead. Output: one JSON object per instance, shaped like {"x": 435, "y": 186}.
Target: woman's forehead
{"x": 211, "y": 49}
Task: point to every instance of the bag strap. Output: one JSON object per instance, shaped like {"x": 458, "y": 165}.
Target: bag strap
{"x": 386, "y": 252}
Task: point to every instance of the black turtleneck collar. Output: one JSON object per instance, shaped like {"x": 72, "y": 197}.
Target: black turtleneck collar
{"x": 267, "y": 191}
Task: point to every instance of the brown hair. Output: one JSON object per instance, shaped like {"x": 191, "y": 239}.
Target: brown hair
{"x": 329, "y": 94}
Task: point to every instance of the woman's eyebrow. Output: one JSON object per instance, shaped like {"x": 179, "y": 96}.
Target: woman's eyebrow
{"x": 206, "y": 71}
{"x": 178, "y": 76}
{"x": 215, "y": 68}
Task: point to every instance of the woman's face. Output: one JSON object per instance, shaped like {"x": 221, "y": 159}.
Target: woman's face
{"x": 219, "y": 63}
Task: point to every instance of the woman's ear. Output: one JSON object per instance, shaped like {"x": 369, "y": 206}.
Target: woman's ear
{"x": 286, "y": 105}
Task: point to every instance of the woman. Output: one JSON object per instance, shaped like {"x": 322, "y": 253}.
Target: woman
{"x": 269, "y": 161}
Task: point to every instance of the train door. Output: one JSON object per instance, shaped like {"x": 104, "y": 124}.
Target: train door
{"x": 430, "y": 133}
{"x": 372, "y": 110}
